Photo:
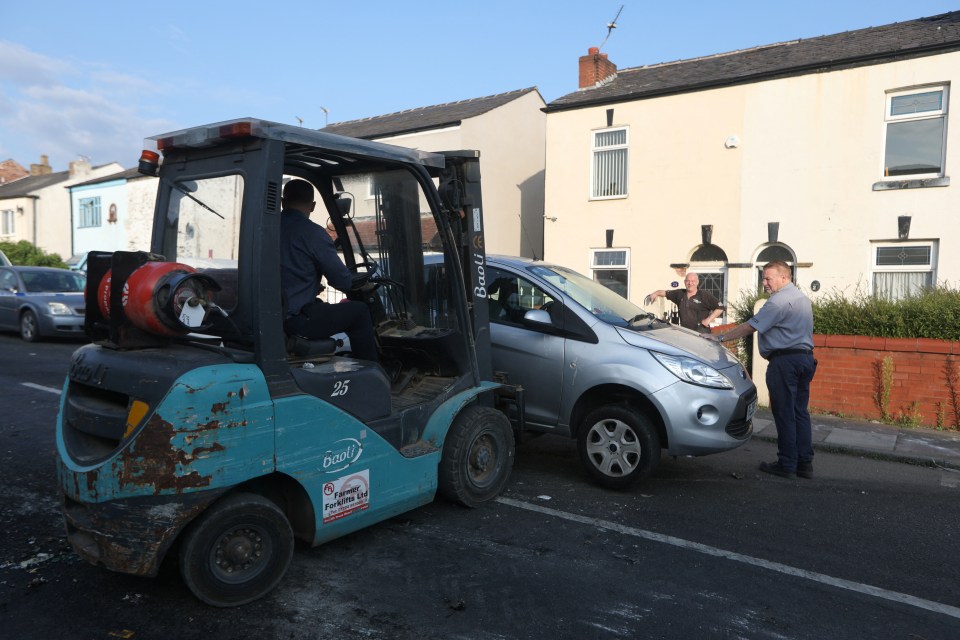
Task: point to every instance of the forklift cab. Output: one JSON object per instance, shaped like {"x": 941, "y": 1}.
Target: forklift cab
{"x": 193, "y": 417}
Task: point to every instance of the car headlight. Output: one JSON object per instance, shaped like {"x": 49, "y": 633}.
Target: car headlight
{"x": 693, "y": 371}
{"x": 59, "y": 309}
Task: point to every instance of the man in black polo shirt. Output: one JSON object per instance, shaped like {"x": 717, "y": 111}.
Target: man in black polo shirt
{"x": 697, "y": 308}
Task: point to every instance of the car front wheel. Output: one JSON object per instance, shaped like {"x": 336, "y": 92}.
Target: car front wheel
{"x": 29, "y": 327}
{"x": 618, "y": 445}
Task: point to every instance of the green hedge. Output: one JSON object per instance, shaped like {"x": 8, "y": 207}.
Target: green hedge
{"x": 25, "y": 254}
{"x": 935, "y": 314}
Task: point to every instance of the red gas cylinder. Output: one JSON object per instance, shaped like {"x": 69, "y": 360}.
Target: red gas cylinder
{"x": 103, "y": 295}
{"x": 146, "y": 298}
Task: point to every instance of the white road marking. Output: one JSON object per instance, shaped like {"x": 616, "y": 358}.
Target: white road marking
{"x": 40, "y": 387}
{"x": 901, "y": 598}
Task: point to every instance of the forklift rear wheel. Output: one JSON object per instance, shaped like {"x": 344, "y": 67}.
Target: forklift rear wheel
{"x": 477, "y": 456}
{"x": 236, "y": 551}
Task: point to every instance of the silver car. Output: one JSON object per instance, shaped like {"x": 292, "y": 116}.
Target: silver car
{"x": 597, "y": 368}
{"x": 41, "y": 302}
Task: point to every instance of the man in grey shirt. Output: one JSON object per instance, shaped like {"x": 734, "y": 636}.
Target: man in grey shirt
{"x": 785, "y": 325}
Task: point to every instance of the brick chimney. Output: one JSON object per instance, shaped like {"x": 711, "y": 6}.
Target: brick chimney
{"x": 595, "y": 69}
{"x": 41, "y": 169}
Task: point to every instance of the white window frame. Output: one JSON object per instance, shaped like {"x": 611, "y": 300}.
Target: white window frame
{"x": 9, "y": 223}
{"x": 616, "y": 266}
{"x": 932, "y": 114}
{"x": 930, "y": 268}
{"x": 595, "y": 153}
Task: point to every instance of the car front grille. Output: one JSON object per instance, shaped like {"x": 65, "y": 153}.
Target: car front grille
{"x": 741, "y": 428}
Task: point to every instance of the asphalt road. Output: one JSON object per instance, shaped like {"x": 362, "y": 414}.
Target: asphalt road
{"x": 708, "y": 548}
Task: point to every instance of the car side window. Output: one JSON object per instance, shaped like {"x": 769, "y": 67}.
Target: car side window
{"x": 510, "y": 296}
{"x": 8, "y": 282}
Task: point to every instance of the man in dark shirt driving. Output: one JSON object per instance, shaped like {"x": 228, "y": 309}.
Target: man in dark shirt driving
{"x": 308, "y": 255}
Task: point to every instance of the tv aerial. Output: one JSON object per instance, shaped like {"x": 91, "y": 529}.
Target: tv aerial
{"x": 611, "y": 26}
{"x": 299, "y": 119}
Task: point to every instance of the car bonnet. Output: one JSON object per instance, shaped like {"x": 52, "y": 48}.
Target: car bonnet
{"x": 668, "y": 338}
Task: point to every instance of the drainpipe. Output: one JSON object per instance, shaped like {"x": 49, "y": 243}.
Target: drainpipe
{"x": 70, "y": 191}
{"x": 35, "y": 239}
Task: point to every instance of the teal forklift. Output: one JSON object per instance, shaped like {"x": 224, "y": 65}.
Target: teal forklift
{"x": 193, "y": 428}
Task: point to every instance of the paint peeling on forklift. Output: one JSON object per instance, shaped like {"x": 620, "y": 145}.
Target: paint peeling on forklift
{"x": 192, "y": 423}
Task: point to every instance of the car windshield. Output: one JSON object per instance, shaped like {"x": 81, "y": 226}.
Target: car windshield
{"x": 591, "y": 295}
{"x": 53, "y": 281}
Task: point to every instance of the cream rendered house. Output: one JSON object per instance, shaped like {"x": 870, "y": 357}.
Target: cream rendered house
{"x": 833, "y": 153}
{"x": 508, "y": 130}
{"x": 37, "y": 208}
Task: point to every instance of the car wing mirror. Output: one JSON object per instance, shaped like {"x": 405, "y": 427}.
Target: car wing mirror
{"x": 538, "y": 316}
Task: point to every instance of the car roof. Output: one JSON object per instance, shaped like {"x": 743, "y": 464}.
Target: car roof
{"x": 518, "y": 262}
{"x": 20, "y": 268}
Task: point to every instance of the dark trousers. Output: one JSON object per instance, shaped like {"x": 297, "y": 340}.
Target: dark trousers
{"x": 788, "y": 381}
{"x": 321, "y": 320}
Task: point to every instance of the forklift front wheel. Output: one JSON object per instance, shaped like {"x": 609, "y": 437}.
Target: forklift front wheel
{"x": 236, "y": 551}
{"x": 477, "y": 456}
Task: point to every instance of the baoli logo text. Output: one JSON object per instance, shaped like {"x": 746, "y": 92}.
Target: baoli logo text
{"x": 341, "y": 455}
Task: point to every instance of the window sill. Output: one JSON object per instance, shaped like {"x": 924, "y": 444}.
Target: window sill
{"x": 896, "y": 185}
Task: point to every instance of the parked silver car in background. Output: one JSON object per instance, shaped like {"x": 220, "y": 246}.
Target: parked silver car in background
{"x": 597, "y": 368}
{"x": 41, "y": 302}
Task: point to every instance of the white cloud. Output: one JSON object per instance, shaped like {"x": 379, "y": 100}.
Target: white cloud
{"x": 22, "y": 67}
{"x": 63, "y": 110}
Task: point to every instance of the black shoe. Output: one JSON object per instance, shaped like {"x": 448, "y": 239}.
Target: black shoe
{"x": 776, "y": 469}
{"x": 805, "y": 469}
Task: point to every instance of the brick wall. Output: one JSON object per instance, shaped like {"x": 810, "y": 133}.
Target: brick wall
{"x": 849, "y": 371}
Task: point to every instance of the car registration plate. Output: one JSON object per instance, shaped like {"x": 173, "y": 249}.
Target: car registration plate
{"x": 751, "y": 409}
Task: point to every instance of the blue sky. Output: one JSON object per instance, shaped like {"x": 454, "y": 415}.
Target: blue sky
{"x": 94, "y": 79}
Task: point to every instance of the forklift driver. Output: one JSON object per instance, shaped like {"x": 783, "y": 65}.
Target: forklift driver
{"x": 307, "y": 255}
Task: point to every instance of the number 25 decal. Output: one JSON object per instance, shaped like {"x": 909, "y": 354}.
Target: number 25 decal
{"x": 340, "y": 388}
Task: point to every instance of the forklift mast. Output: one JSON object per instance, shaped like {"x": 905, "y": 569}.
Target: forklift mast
{"x": 461, "y": 193}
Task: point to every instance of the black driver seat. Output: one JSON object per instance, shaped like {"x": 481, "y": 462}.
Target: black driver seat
{"x": 305, "y": 348}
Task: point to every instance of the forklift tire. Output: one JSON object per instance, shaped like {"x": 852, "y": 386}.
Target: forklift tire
{"x": 477, "y": 456}
{"x": 236, "y": 551}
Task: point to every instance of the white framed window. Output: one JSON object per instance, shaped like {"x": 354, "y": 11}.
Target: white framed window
{"x": 90, "y": 212}
{"x": 611, "y": 268}
{"x": 902, "y": 269}
{"x": 608, "y": 174}
{"x": 915, "y": 133}
{"x": 9, "y": 222}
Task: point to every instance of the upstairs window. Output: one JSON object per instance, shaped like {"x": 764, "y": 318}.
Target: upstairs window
{"x": 90, "y": 212}
{"x": 609, "y": 170}
{"x": 916, "y": 123}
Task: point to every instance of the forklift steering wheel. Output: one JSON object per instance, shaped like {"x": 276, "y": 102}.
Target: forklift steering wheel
{"x": 370, "y": 266}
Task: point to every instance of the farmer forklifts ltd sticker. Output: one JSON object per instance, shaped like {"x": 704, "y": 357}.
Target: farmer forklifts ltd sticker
{"x": 345, "y": 495}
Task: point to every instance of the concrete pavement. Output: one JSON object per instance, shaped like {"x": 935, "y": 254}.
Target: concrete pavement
{"x": 924, "y": 446}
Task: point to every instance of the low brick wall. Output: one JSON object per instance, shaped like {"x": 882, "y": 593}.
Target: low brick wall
{"x": 850, "y": 373}
{"x": 850, "y": 370}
